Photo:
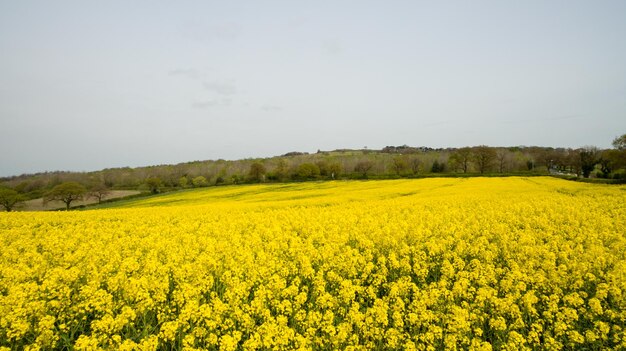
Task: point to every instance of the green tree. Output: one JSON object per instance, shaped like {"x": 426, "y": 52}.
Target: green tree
{"x": 199, "y": 181}
{"x": 588, "y": 160}
{"x": 618, "y": 156}
{"x": 323, "y": 166}
{"x": 620, "y": 142}
{"x": 153, "y": 184}
{"x": 22, "y": 187}
{"x": 461, "y": 158}
{"x": 608, "y": 161}
{"x": 221, "y": 176}
{"x": 10, "y": 198}
{"x": 235, "y": 179}
{"x": 257, "y": 172}
{"x": 280, "y": 171}
{"x": 483, "y": 157}
{"x": 399, "y": 164}
{"x": 334, "y": 170}
{"x": 438, "y": 167}
{"x": 307, "y": 171}
{"x": 66, "y": 192}
{"x": 183, "y": 182}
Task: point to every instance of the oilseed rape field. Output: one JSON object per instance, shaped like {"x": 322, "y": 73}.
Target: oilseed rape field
{"x": 431, "y": 264}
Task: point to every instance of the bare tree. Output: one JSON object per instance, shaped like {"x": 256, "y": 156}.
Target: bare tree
{"x": 363, "y": 167}
{"x": 572, "y": 162}
{"x": 415, "y": 164}
{"x": 502, "y": 156}
{"x": 99, "y": 191}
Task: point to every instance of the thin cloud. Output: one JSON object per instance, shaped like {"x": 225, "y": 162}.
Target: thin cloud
{"x": 332, "y": 47}
{"x": 220, "y": 88}
{"x": 533, "y": 120}
{"x": 436, "y": 124}
{"x": 200, "y": 31}
{"x": 212, "y": 103}
{"x": 185, "y": 72}
{"x": 271, "y": 108}
{"x": 561, "y": 118}
{"x": 226, "y": 30}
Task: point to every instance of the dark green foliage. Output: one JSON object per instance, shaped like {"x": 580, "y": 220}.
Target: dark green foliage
{"x": 389, "y": 163}
{"x": 334, "y": 170}
{"x": 438, "y": 167}
{"x": 588, "y": 160}
{"x": 199, "y": 182}
{"x": 257, "y": 172}
{"x": 236, "y": 179}
{"x": 10, "y": 198}
{"x": 307, "y": 171}
{"x": 153, "y": 184}
{"x": 66, "y": 193}
{"x": 620, "y": 142}
{"x": 483, "y": 157}
{"x": 399, "y": 164}
{"x": 460, "y": 159}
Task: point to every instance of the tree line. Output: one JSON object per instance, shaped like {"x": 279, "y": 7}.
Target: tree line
{"x": 389, "y": 162}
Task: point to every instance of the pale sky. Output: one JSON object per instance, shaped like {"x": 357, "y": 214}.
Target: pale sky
{"x": 86, "y": 85}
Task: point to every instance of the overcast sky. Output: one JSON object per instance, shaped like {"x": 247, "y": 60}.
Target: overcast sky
{"x": 86, "y": 85}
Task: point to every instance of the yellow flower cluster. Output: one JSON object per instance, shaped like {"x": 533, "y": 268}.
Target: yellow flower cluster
{"x": 478, "y": 264}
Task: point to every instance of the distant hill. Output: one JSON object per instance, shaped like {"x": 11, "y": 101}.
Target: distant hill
{"x": 386, "y": 163}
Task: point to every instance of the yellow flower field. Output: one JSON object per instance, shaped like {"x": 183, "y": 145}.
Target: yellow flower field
{"x": 431, "y": 264}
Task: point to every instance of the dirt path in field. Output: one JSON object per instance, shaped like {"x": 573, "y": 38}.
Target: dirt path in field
{"x": 38, "y": 205}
